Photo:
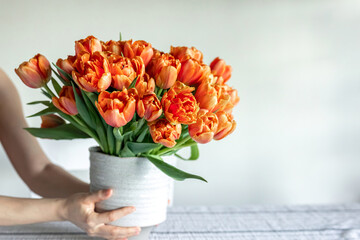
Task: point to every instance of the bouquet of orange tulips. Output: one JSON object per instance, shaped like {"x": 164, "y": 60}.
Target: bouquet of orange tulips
{"x": 134, "y": 100}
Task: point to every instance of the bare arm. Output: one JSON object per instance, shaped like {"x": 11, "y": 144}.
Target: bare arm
{"x": 79, "y": 209}
{"x": 25, "y": 153}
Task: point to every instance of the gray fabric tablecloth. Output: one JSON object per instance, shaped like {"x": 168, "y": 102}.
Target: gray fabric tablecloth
{"x": 330, "y": 222}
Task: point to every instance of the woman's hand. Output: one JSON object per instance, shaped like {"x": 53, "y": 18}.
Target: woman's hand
{"x": 80, "y": 210}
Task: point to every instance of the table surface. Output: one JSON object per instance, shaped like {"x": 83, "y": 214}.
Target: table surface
{"x": 251, "y": 222}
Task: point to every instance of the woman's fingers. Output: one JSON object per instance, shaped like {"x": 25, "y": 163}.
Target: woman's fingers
{"x": 110, "y": 216}
{"x": 114, "y": 232}
{"x": 99, "y": 196}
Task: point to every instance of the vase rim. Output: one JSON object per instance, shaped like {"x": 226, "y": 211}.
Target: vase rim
{"x": 96, "y": 150}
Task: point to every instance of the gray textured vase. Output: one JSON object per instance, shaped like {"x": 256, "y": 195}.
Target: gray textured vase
{"x": 135, "y": 182}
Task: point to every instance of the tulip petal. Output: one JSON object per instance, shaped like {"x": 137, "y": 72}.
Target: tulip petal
{"x": 30, "y": 77}
{"x": 104, "y": 82}
{"x": 114, "y": 118}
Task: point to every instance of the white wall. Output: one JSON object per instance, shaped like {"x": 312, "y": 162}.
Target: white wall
{"x": 296, "y": 66}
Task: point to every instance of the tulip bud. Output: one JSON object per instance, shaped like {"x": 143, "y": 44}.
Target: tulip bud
{"x": 149, "y": 107}
{"x": 117, "y": 108}
{"x": 66, "y": 101}
{"x": 165, "y": 133}
{"x": 36, "y": 72}
{"x": 220, "y": 69}
{"x": 226, "y": 125}
{"x": 51, "y": 121}
{"x": 203, "y": 130}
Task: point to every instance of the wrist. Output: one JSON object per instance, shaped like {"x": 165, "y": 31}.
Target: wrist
{"x": 62, "y": 209}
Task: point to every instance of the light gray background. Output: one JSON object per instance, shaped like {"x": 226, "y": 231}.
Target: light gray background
{"x": 296, "y": 67}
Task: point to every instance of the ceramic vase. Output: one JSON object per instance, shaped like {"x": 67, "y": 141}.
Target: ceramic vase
{"x": 135, "y": 182}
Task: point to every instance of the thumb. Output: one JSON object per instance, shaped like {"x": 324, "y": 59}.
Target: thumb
{"x": 99, "y": 195}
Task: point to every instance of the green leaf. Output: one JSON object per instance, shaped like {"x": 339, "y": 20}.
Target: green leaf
{"x": 46, "y": 94}
{"x": 82, "y": 109}
{"x": 117, "y": 134}
{"x": 51, "y": 109}
{"x": 170, "y": 170}
{"x": 92, "y": 97}
{"x": 127, "y": 135}
{"x": 46, "y": 103}
{"x": 68, "y": 76}
{"x": 56, "y": 85}
{"x": 126, "y": 152}
{"x": 91, "y": 107}
{"x": 102, "y": 135}
{"x": 120, "y": 37}
{"x": 194, "y": 154}
{"x": 59, "y": 77}
{"x": 137, "y": 147}
{"x": 110, "y": 139}
{"x": 142, "y": 135}
{"x": 132, "y": 85}
{"x": 65, "y": 131}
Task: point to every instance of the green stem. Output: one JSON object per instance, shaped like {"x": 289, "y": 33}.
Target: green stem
{"x": 86, "y": 129}
{"x": 118, "y": 147}
{"x": 177, "y": 146}
{"x": 49, "y": 90}
{"x": 77, "y": 123}
{"x": 160, "y": 91}
{"x": 139, "y": 127}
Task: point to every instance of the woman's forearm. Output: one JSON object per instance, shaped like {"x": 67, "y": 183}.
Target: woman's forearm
{"x": 15, "y": 211}
{"x": 63, "y": 185}
{"x": 25, "y": 153}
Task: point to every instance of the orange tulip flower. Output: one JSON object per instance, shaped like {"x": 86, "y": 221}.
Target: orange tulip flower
{"x": 138, "y": 48}
{"x": 234, "y": 98}
{"x": 66, "y": 65}
{"x": 36, "y": 72}
{"x": 88, "y": 45}
{"x": 179, "y": 104}
{"x": 192, "y": 68}
{"x": 207, "y": 95}
{"x": 125, "y": 70}
{"x": 227, "y": 98}
{"x": 192, "y": 72}
{"x": 226, "y": 125}
{"x": 149, "y": 107}
{"x": 165, "y": 69}
{"x": 219, "y": 68}
{"x": 117, "y": 108}
{"x": 203, "y": 130}
{"x": 185, "y": 53}
{"x": 92, "y": 72}
{"x": 66, "y": 101}
{"x": 145, "y": 84}
{"x": 165, "y": 133}
{"x": 51, "y": 121}
{"x": 113, "y": 47}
